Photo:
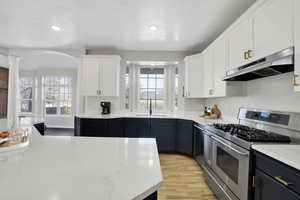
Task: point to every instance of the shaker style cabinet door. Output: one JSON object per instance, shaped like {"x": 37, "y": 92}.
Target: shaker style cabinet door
{"x": 220, "y": 65}
{"x": 193, "y": 76}
{"x": 109, "y": 76}
{"x": 184, "y": 137}
{"x": 296, "y": 78}
{"x": 208, "y": 78}
{"x": 239, "y": 43}
{"x": 273, "y": 28}
{"x": 90, "y": 76}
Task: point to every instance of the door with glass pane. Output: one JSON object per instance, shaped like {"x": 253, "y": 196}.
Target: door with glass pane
{"x": 151, "y": 89}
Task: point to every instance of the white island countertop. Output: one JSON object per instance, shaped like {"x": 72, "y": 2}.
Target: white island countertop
{"x": 287, "y": 154}
{"x": 77, "y": 168}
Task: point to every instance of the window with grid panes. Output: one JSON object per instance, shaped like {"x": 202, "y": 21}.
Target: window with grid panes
{"x": 58, "y": 95}
{"x": 26, "y": 94}
{"x": 151, "y": 87}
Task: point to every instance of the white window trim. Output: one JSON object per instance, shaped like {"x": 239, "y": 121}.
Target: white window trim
{"x": 57, "y": 102}
{"x": 20, "y": 99}
{"x": 169, "y": 95}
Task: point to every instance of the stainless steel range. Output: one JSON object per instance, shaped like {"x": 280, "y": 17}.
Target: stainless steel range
{"x": 223, "y": 150}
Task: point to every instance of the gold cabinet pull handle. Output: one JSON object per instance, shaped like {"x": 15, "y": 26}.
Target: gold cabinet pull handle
{"x": 245, "y": 55}
{"x": 249, "y": 53}
{"x": 294, "y": 82}
{"x": 279, "y": 179}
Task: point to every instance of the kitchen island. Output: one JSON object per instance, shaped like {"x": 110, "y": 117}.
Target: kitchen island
{"x": 64, "y": 168}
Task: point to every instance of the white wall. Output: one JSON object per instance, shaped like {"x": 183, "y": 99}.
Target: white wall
{"x": 274, "y": 93}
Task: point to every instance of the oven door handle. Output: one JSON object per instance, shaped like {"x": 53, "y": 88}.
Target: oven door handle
{"x": 228, "y": 146}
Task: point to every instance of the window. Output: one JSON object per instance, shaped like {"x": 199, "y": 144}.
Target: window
{"x": 149, "y": 80}
{"x": 26, "y": 94}
{"x": 176, "y": 89}
{"x": 127, "y": 90}
{"x": 151, "y": 87}
{"x": 58, "y": 95}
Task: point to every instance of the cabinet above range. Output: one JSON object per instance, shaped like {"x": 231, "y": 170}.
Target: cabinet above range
{"x": 100, "y": 75}
{"x": 247, "y": 45}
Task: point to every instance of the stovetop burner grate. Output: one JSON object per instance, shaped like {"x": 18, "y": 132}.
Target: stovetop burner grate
{"x": 252, "y": 134}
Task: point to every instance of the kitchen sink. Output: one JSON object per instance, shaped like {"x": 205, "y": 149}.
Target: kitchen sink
{"x": 153, "y": 115}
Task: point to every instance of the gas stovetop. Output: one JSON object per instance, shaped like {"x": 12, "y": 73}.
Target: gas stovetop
{"x": 252, "y": 134}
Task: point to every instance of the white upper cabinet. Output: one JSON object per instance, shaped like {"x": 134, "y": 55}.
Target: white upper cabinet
{"x": 90, "y": 76}
{"x": 272, "y": 28}
{"x": 220, "y": 65}
{"x": 208, "y": 78}
{"x": 110, "y": 76}
{"x": 239, "y": 44}
{"x": 100, "y": 76}
{"x": 296, "y": 80}
{"x": 193, "y": 76}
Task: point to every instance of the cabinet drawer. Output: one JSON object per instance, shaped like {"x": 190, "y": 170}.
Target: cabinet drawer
{"x": 268, "y": 188}
{"x": 284, "y": 174}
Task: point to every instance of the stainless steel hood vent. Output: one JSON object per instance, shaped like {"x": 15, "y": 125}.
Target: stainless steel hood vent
{"x": 279, "y": 63}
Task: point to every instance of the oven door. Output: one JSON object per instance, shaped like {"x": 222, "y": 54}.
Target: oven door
{"x": 231, "y": 164}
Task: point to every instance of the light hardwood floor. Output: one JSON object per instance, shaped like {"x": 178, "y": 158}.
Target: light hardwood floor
{"x": 183, "y": 179}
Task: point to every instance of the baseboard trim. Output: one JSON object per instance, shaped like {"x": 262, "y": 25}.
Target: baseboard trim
{"x": 69, "y": 127}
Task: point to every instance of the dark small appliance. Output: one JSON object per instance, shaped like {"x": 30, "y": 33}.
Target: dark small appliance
{"x": 105, "y": 107}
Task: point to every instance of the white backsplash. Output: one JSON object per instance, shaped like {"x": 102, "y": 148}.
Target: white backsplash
{"x": 93, "y": 104}
{"x": 273, "y": 93}
{"x": 194, "y": 105}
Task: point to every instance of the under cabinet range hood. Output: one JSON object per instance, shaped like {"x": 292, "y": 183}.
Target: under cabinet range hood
{"x": 278, "y": 63}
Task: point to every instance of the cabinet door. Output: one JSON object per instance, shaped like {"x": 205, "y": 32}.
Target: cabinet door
{"x": 239, "y": 41}
{"x": 109, "y": 76}
{"x": 267, "y": 188}
{"x": 193, "y": 76}
{"x": 164, "y": 130}
{"x": 184, "y": 137}
{"x": 116, "y": 127}
{"x": 297, "y": 45}
{"x": 273, "y": 28}
{"x": 208, "y": 78}
{"x": 220, "y": 65}
{"x": 137, "y": 128}
{"x": 94, "y": 127}
{"x": 90, "y": 76}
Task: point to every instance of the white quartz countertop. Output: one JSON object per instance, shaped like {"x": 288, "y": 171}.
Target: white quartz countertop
{"x": 77, "y": 168}
{"x": 288, "y": 154}
{"x": 194, "y": 116}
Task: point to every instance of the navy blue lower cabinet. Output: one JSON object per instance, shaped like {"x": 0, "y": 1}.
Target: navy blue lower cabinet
{"x": 77, "y": 127}
{"x": 116, "y": 127}
{"x": 164, "y": 130}
{"x": 137, "y": 128}
{"x": 91, "y": 127}
{"x": 267, "y": 188}
{"x": 184, "y": 137}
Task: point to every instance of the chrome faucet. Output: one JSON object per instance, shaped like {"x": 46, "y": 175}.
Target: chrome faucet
{"x": 150, "y": 107}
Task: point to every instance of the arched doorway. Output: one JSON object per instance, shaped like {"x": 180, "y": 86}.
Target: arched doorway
{"x": 48, "y": 88}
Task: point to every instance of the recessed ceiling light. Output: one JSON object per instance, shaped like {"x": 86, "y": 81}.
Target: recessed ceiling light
{"x": 153, "y": 28}
{"x": 55, "y": 28}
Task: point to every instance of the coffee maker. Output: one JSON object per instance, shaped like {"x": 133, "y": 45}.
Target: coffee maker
{"x": 105, "y": 107}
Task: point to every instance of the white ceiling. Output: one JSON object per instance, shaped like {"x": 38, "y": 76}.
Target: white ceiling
{"x": 48, "y": 61}
{"x": 118, "y": 24}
